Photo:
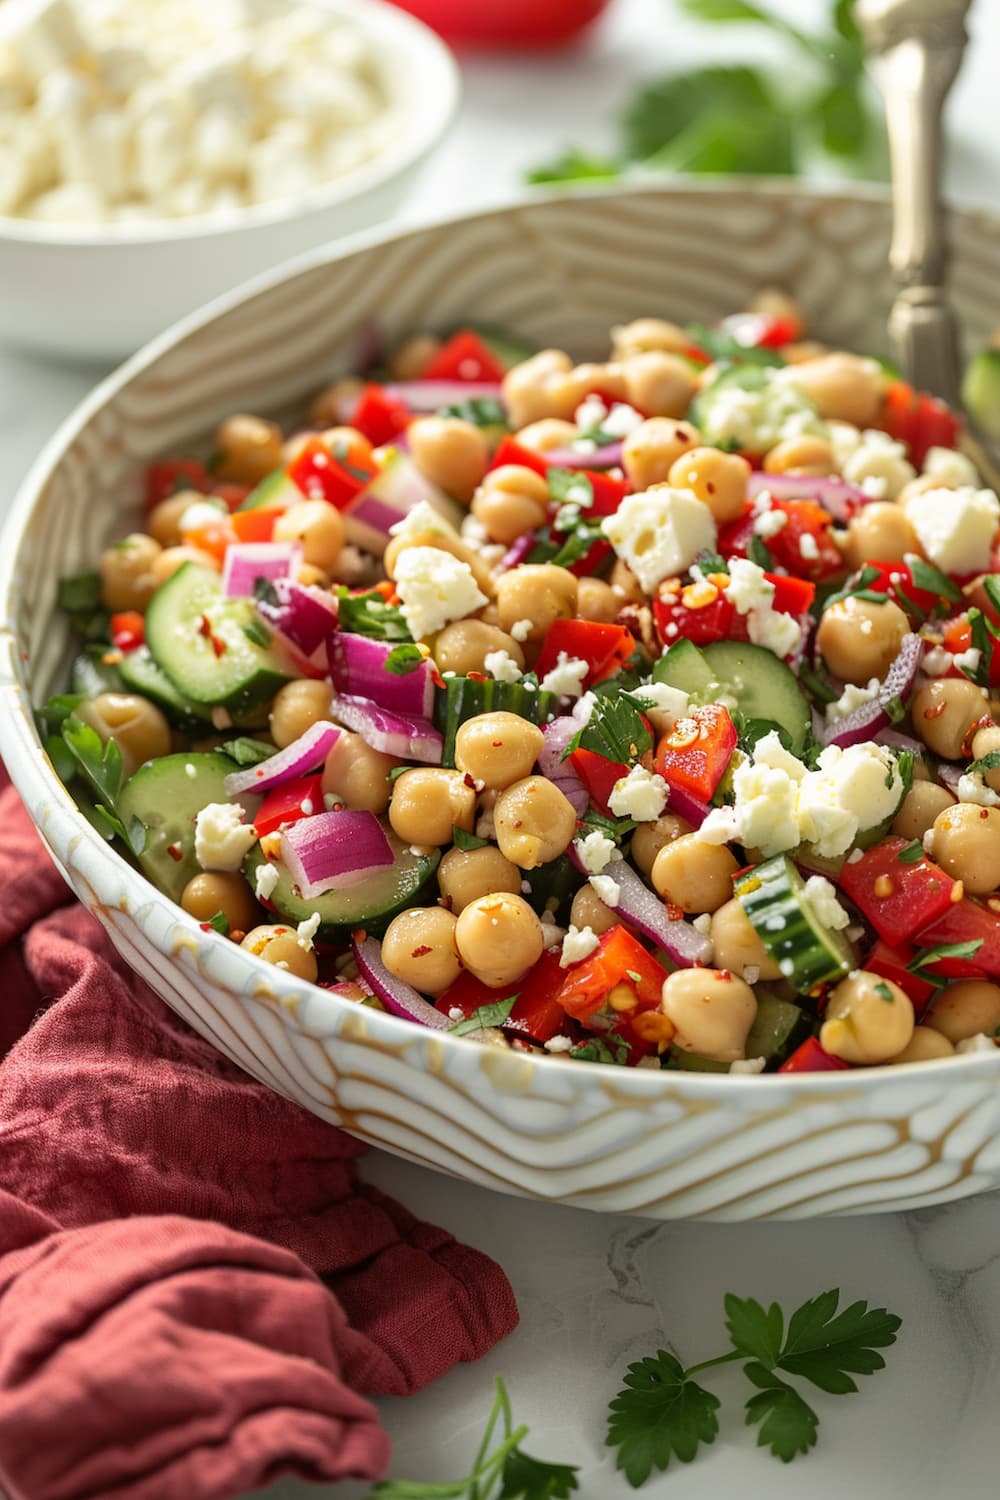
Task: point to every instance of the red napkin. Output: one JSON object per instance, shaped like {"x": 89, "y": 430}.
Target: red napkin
{"x": 195, "y": 1288}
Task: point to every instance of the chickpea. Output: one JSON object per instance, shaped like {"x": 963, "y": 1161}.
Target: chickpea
{"x": 925, "y": 1045}
{"x": 659, "y": 384}
{"x": 127, "y": 578}
{"x": 452, "y": 453}
{"x": 312, "y": 577}
{"x": 643, "y": 334}
{"x": 347, "y": 443}
{"x": 466, "y": 874}
{"x": 166, "y": 563}
{"x": 569, "y": 391}
{"x": 945, "y": 714}
{"x": 694, "y": 875}
{"x": 318, "y": 525}
{"x": 969, "y": 1007}
{"x": 967, "y": 845}
{"x": 499, "y": 938}
{"x": 419, "y": 948}
{"x": 880, "y": 532}
{"x": 547, "y": 434}
{"x": 498, "y": 748}
{"x": 537, "y": 592}
{"x": 248, "y": 448}
{"x": 208, "y": 893}
{"x": 919, "y": 808}
{"x": 650, "y": 838}
{"x": 712, "y": 1010}
{"x": 526, "y": 387}
{"x": 718, "y": 479}
{"x": 802, "y": 350}
{"x": 625, "y": 583}
{"x": 859, "y": 639}
{"x": 333, "y": 402}
{"x": 428, "y": 802}
{"x": 922, "y": 485}
{"x": 283, "y": 948}
{"x": 534, "y": 822}
{"x": 596, "y": 600}
{"x": 463, "y": 646}
{"x": 588, "y": 910}
{"x": 137, "y": 726}
{"x": 357, "y": 775}
{"x": 986, "y": 741}
{"x": 297, "y": 707}
{"x": 652, "y": 448}
{"x": 801, "y": 455}
{"x": 411, "y": 359}
{"x": 511, "y": 500}
{"x": 735, "y": 943}
{"x": 164, "y": 520}
{"x": 845, "y": 387}
{"x": 444, "y": 543}
{"x": 868, "y": 1019}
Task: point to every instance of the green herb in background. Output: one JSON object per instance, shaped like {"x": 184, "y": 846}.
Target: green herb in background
{"x": 738, "y": 118}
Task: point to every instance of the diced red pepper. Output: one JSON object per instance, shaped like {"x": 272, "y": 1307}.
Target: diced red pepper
{"x": 321, "y": 476}
{"x": 694, "y": 754}
{"x": 468, "y": 994}
{"x": 919, "y": 420}
{"x": 128, "y": 630}
{"x": 965, "y": 921}
{"x": 895, "y": 580}
{"x": 509, "y": 451}
{"x": 897, "y": 898}
{"x": 213, "y": 538}
{"x": 957, "y": 637}
{"x": 605, "y": 648}
{"x": 598, "y": 775}
{"x": 762, "y": 331}
{"x": 230, "y": 492}
{"x": 464, "y": 357}
{"x": 891, "y": 963}
{"x": 619, "y": 958}
{"x": 255, "y": 525}
{"x": 676, "y": 621}
{"x": 811, "y": 1058}
{"x": 805, "y": 519}
{"x": 537, "y": 1014}
{"x": 792, "y": 596}
{"x": 380, "y": 416}
{"x": 295, "y": 799}
{"x": 609, "y": 492}
{"x": 735, "y": 537}
{"x": 165, "y": 478}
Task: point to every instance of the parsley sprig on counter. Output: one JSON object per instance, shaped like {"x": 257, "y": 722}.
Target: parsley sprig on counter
{"x": 663, "y": 1413}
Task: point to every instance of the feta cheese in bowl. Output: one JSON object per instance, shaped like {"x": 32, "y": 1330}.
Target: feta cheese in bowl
{"x": 152, "y": 158}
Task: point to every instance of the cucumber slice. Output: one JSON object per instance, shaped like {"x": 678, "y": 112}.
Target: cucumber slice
{"x": 92, "y": 675}
{"x": 552, "y": 887}
{"x": 684, "y": 667}
{"x": 275, "y": 491}
{"x": 807, "y": 951}
{"x": 981, "y": 390}
{"x": 198, "y": 638}
{"x": 693, "y": 1062}
{"x": 370, "y": 904}
{"x": 778, "y": 1028}
{"x": 464, "y": 697}
{"x": 166, "y": 797}
{"x": 140, "y": 674}
{"x": 762, "y": 686}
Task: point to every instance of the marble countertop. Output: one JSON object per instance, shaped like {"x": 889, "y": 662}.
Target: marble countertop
{"x": 594, "y": 1291}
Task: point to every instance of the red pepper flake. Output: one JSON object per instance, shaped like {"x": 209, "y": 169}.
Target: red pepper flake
{"x": 675, "y": 913}
{"x": 935, "y": 711}
{"x": 176, "y": 852}
{"x": 469, "y": 781}
{"x": 421, "y": 951}
{"x": 477, "y": 677}
{"x": 204, "y": 626}
{"x": 218, "y": 645}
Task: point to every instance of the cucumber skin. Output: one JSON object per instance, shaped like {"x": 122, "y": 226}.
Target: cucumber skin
{"x": 764, "y": 689}
{"x": 140, "y": 674}
{"x": 772, "y": 896}
{"x": 294, "y": 909}
{"x": 464, "y": 697}
{"x": 162, "y": 790}
{"x": 778, "y": 1028}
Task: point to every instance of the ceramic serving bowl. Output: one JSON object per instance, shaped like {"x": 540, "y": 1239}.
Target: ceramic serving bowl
{"x": 100, "y": 291}
{"x": 553, "y": 272}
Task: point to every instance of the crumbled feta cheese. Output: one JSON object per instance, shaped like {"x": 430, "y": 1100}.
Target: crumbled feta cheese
{"x": 972, "y": 788}
{"x": 607, "y": 889}
{"x": 199, "y": 514}
{"x": 595, "y": 851}
{"x": 521, "y": 629}
{"x": 748, "y": 1065}
{"x": 434, "y": 588}
{"x": 659, "y": 532}
{"x": 456, "y": 1013}
{"x": 590, "y": 413}
{"x": 808, "y": 547}
{"x": 952, "y": 468}
{"x": 968, "y": 661}
{"x": 559, "y": 1044}
{"x": 423, "y": 518}
{"x": 752, "y": 594}
{"x": 473, "y": 530}
{"x": 668, "y": 703}
{"x": 821, "y": 898}
{"x": 751, "y": 973}
{"x": 769, "y": 523}
{"x": 703, "y": 923}
{"x": 265, "y": 881}
{"x": 221, "y": 838}
{"x": 641, "y": 795}
{"x": 552, "y": 935}
{"x": 956, "y": 528}
{"x": 501, "y": 666}
{"x": 577, "y": 944}
{"x": 936, "y": 661}
{"x": 306, "y": 931}
{"x": 566, "y": 677}
{"x": 878, "y": 457}
{"x": 979, "y": 1043}
{"x": 621, "y": 420}
{"x": 759, "y": 419}
{"x": 843, "y": 438}
{"x": 851, "y": 698}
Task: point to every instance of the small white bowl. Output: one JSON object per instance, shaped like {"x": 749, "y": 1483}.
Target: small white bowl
{"x": 100, "y": 291}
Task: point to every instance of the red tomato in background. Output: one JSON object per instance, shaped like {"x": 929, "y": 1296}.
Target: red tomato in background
{"x": 506, "y": 23}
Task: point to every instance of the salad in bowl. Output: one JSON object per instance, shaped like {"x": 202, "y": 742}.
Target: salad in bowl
{"x": 637, "y": 712}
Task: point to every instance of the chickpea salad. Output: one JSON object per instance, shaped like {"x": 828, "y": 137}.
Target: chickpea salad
{"x": 641, "y": 712}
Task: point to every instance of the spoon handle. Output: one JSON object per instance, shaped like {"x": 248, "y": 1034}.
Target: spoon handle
{"x": 916, "y": 48}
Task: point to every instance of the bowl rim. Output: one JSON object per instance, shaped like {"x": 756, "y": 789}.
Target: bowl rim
{"x": 431, "y": 110}
{"x": 300, "y": 1003}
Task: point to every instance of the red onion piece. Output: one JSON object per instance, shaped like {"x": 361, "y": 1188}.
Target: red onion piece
{"x": 305, "y": 615}
{"x": 686, "y": 805}
{"x": 398, "y": 998}
{"x": 950, "y": 775}
{"x": 608, "y": 457}
{"x": 405, "y": 737}
{"x": 334, "y": 849}
{"x": 899, "y": 741}
{"x": 557, "y": 735}
{"x": 645, "y": 910}
{"x": 247, "y": 561}
{"x": 836, "y": 496}
{"x": 389, "y": 498}
{"x": 358, "y": 668}
{"x": 297, "y": 759}
{"x": 864, "y": 722}
{"x": 428, "y": 395}
{"x": 517, "y": 552}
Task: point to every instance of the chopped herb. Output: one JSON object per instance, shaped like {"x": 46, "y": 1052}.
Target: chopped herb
{"x": 102, "y": 766}
{"x": 710, "y": 562}
{"x": 721, "y": 344}
{"x": 751, "y": 731}
{"x": 759, "y": 552}
{"x": 883, "y": 991}
{"x": 609, "y": 1048}
{"x": 265, "y": 592}
{"x": 615, "y": 829}
{"x": 342, "y": 453}
{"x": 570, "y": 487}
{"x": 911, "y": 605}
{"x": 616, "y": 730}
{"x": 989, "y": 762}
{"x": 219, "y": 923}
{"x": 461, "y": 839}
{"x": 486, "y": 1016}
{"x": 62, "y": 758}
{"x": 398, "y": 771}
{"x": 983, "y": 633}
{"x": 857, "y": 585}
{"x": 991, "y": 586}
{"x": 912, "y": 854}
{"x": 926, "y": 956}
{"x": 257, "y": 633}
{"x": 635, "y": 978}
{"x": 579, "y": 540}
{"x": 79, "y": 594}
{"x": 57, "y": 710}
{"x": 481, "y": 411}
{"x": 369, "y": 614}
{"x": 895, "y": 708}
{"x": 247, "y": 752}
{"x": 404, "y": 659}
{"x": 818, "y": 684}
{"x": 925, "y": 576}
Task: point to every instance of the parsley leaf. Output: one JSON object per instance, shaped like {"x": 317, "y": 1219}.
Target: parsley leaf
{"x": 615, "y": 729}
{"x": 527, "y": 1478}
{"x": 219, "y": 922}
{"x": 486, "y": 1016}
{"x": 101, "y": 764}
{"x": 570, "y": 487}
{"x": 246, "y": 751}
{"x": 912, "y": 854}
{"x": 574, "y": 166}
{"x": 826, "y": 1347}
{"x": 925, "y": 956}
{"x": 578, "y": 542}
{"x": 659, "y": 1415}
{"x": 926, "y": 576}
{"x": 54, "y": 713}
{"x": 612, "y": 828}
{"x": 369, "y": 614}
{"x": 721, "y": 344}
{"x": 481, "y": 411}
{"x": 459, "y": 837}
{"x": 753, "y": 1331}
{"x": 988, "y": 762}
{"x": 80, "y": 594}
{"x": 258, "y": 634}
{"x": 404, "y": 659}
{"x": 788, "y": 1424}
{"x": 609, "y": 1048}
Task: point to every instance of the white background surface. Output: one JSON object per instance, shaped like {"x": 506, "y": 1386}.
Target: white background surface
{"x": 595, "y": 1292}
